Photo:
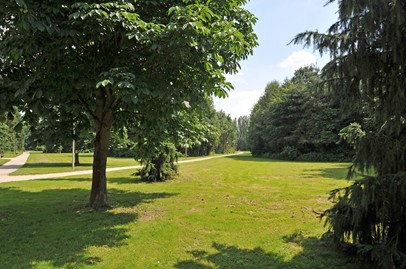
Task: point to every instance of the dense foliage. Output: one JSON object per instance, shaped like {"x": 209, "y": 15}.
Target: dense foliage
{"x": 368, "y": 68}
{"x": 203, "y": 145}
{"x": 159, "y": 165}
{"x": 219, "y": 136}
{"x": 55, "y": 131}
{"x": 243, "y": 123}
{"x": 124, "y": 63}
{"x": 227, "y": 129}
{"x": 297, "y": 120}
{"x": 13, "y": 132}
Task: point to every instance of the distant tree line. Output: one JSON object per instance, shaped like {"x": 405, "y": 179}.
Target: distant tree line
{"x": 12, "y": 133}
{"x": 299, "y": 120}
{"x": 217, "y": 132}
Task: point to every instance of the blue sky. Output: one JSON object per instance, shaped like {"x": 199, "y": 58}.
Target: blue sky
{"x": 278, "y": 23}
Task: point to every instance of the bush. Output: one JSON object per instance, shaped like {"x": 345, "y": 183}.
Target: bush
{"x": 161, "y": 165}
{"x": 324, "y": 157}
{"x": 293, "y": 154}
{"x": 288, "y": 153}
{"x": 40, "y": 148}
{"x": 371, "y": 216}
{"x": 121, "y": 152}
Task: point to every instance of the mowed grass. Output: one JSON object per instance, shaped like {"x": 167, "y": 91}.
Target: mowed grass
{"x": 10, "y": 154}
{"x": 45, "y": 163}
{"x": 233, "y": 212}
{"x": 3, "y": 161}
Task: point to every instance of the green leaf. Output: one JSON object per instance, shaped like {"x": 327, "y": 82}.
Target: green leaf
{"x": 74, "y": 15}
{"x": 186, "y": 104}
{"x": 134, "y": 99}
{"x": 40, "y": 26}
{"x": 39, "y": 93}
{"x": 208, "y": 66}
{"x": 103, "y": 83}
{"x": 25, "y": 24}
{"x": 21, "y": 4}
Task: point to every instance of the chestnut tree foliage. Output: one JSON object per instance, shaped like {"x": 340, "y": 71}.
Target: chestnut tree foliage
{"x": 122, "y": 62}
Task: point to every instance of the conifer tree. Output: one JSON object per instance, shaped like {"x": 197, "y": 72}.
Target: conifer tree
{"x": 368, "y": 68}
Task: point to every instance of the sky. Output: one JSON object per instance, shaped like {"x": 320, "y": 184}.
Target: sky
{"x": 278, "y": 23}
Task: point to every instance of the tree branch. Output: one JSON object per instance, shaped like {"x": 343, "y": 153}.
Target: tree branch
{"x": 87, "y": 107}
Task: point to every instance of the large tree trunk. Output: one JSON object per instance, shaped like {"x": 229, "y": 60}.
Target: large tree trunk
{"x": 103, "y": 122}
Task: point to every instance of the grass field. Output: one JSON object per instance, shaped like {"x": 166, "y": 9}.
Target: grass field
{"x": 45, "y": 163}
{"x": 3, "y": 161}
{"x": 234, "y": 212}
{"x": 9, "y": 154}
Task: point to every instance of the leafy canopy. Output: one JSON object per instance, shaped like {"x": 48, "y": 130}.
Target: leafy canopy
{"x": 60, "y": 52}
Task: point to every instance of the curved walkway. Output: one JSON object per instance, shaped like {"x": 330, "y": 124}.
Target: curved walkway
{"x": 19, "y": 161}
{"x": 12, "y": 165}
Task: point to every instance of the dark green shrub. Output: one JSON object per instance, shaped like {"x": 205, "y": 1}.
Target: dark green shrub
{"x": 160, "y": 165}
{"x": 324, "y": 157}
{"x": 40, "y": 148}
{"x": 288, "y": 153}
{"x": 371, "y": 215}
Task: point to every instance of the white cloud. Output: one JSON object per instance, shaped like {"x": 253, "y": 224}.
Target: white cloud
{"x": 298, "y": 59}
{"x": 239, "y": 103}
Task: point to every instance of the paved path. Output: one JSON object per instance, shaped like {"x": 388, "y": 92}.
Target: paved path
{"x": 19, "y": 161}
{"x": 12, "y": 165}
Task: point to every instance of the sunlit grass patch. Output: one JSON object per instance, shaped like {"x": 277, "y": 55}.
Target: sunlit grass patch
{"x": 234, "y": 212}
{"x": 45, "y": 163}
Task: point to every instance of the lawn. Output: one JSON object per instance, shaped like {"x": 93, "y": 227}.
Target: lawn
{"x": 3, "y": 161}
{"x": 45, "y": 163}
{"x": 9, "y": 154}
{"x": 233, "y": 212}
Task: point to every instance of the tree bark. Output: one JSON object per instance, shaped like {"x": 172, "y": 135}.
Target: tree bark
{"x": 103, "y": 122}
{"x": 77, "y": 162}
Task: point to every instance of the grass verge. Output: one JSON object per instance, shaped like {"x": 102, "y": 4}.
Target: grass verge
{"x": 233, "y": 212}
{"x": 10, "y": 154}
{"x": 46, "y": 163}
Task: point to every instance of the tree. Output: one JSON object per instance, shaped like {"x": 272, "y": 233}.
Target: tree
{"x": 159, "y": 165}
{"x": 267, "y": 102}
{"x": 12, "y": 132}
{"x": 227, "y": 133}
{"x": 298, "y": 120}
{"x": 156, "y": 150}
{"x": 242, "y": 130}
{"x": 56, "y": 130}
{"x": 367, "y": 68}
{"x": 122, "y": 62}
{"x": 204, "y": 145}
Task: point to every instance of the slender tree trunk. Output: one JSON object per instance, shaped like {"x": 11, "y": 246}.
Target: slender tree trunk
{"x": 77, "y": 162}
{"x": 103, "y": 122}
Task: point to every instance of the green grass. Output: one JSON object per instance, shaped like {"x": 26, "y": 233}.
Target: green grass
{"x": 9, "y": 154}
{"x": 234, "y": 212}
{"x": 46, "y": 163}
{"x": 3, "y": 161}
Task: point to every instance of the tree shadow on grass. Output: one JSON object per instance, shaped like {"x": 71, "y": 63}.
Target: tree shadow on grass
{"x": 250, "y": 158}
{"x": 54, "y": 228}
{"x": 130, "y": 179}
{"x": 313, "y": 256}
{"x": 340, "y": 172}
{"x": 54, "y": 165}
